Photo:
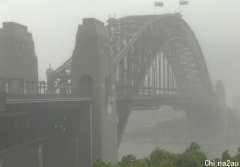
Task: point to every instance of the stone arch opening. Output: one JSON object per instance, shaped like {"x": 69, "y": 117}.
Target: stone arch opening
{"x": 85, "y": 85}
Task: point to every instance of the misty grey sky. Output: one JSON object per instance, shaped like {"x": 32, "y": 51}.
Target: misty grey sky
{"x": 53, "y": 23}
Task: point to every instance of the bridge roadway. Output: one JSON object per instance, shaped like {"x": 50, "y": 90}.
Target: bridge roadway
{"x": 34, "y": 119}
{"x": 47, "y": 117}
{"x": 157, "y": 100}
{"x": 21, "y": 106}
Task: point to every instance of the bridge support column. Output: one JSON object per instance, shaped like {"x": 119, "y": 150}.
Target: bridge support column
{"x": 2, "y": 84}
{"x": 220, "y": 122}
{"x": 36, "y": 151}
{"x": 50, "y": 84}
{"x": 14, "y": 87}
{"x": 19, "y": 61}
{"x": 32, "y": 88}
{"x": 124, "y": 111}
{"x": 1, "y": 162}
{"x": 221, "y": 117}
{"x": 83, "y": 137}
{"x": 40, "y": 155}
{"x": 93, "y": 73}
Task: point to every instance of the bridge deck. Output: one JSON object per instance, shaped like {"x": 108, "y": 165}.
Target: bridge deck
{"x": 31, "y": 118}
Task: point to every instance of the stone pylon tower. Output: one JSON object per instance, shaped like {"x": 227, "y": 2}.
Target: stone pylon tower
{"x": 220, "y": 95}
{"x": 17, "y": 58}
{"x": 93, "y": 74}
{"x": 220, "y": 92}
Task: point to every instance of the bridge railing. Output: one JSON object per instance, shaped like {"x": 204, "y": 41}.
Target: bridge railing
{"x": 40, "y": 97}
{"x": 149, "y": 91}
{"x": 152, "y": 91}
{"x": 123, "y": 90}
{"x": 21, "y": 86}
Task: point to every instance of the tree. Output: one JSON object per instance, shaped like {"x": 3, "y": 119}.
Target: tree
{"x": 101, "y": 163}
{"x": 159, "y": 155}
{"x": 225, "y": 155}
{"x": 238, "y": 150}
{"x": 193, "y": 156}
{"x": 193, "y": 146}
{"x": 127, "y": 160}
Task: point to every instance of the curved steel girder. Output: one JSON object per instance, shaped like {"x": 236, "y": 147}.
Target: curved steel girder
{"x": 192, "y": 42}
{"x": 132, "y": 17}
{"x": 178, "y": 62}
{"x": 159, "y": 51}
{"x": 165, "y": 45}
{"x": 68, "y": 62}
{"x": 169, "y": 25}
{"x": 122, "y": 53}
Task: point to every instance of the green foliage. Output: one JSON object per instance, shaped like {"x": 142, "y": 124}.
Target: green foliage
{"x": 193, "y": 146}
{"x": 127, "y": 160}
{"x": 100, "y": 163}
{"x": 159, "y": 156}
{"x": 225, "y": 155}
{"x": 139, "y": 163}
{"x": 238, "y": 150}
{"x": 192, "y": 157}
{"x": 236, "y": 158}
{"x": 164, "y": 164}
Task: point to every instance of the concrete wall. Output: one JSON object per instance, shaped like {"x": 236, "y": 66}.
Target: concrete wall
{"x": 60, "y": 152}
{"x": 92, "y": 57}
{"x": 17, "y": 53}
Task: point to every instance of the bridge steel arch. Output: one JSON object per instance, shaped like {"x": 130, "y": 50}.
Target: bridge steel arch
{"x": 158, "y": 53}
{"x": 157, "y": 32}
{"x": 152, "y": 54}
{"x": 136, "y": 42}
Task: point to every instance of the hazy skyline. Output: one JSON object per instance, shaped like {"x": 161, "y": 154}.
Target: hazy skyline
{"x": 53, "y": 24}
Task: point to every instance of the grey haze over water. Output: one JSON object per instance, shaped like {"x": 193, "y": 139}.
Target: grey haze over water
{"x": 147, "y": 118}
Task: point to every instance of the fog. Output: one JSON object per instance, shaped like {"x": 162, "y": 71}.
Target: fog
{"x": 54, "y": 25}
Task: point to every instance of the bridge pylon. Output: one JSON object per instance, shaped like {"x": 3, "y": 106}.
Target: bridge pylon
{"x": 18, "y": 61}
{"x": 93, "y": 74}
{"x": 209, "y": 122}
{"x": 220, "y": 96}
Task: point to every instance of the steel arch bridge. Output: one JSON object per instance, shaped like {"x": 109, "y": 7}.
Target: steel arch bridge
{"x": 152, "y": 52}
{"x": 155, "y": 57}
{"x": 157, "y": 60}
